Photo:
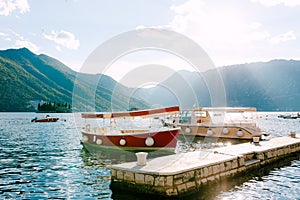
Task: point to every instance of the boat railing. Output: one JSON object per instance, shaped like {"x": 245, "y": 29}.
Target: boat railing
{"x": 100, "y": 130}
{"x": 134, "y": 130}
{"x": 241, "y": 123}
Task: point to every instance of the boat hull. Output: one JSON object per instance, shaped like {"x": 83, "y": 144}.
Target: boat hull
{"x": 147, "y": 141}
{"x": 228, "y": 132}
{"x": 46, "y": 120}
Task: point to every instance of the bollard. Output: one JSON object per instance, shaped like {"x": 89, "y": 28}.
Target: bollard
{"x": 141, "y": 158}
{"x": 293, "y": 134}
{"x": 255, "y": 140}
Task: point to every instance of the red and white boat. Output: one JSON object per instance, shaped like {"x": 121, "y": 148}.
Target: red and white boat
{"x": 145, "y": 130}
{"x": 46, "y": 119}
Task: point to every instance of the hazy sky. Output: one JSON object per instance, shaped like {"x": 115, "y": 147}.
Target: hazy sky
{"x": 230, "y": 31}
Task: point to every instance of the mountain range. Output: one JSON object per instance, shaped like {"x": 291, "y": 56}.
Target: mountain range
{"x": 268, "y": 86}
{"x": 27, "y": 79}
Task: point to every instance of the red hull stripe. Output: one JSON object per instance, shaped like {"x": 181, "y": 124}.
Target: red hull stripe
{"x": 131, "y": 114}
{"x": 161, "y": 139}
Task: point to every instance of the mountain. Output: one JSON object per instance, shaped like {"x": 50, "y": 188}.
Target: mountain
{"x": 268, "y": 86}
{"x": 271, "y": 86}
{"x": 27, "y": 78}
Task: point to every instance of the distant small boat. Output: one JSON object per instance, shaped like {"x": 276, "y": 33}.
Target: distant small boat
{"x": 46, "y": 119}
{"x": 289, "y": 116}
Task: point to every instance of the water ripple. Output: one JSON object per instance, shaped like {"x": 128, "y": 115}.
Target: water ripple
{"x": 46, "y": 161}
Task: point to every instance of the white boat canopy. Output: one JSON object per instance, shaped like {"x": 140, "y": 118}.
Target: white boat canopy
{"x": 138, "y": 113}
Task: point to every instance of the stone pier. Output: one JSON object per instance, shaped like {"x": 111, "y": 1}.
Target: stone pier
{"x": 179, "y": 174}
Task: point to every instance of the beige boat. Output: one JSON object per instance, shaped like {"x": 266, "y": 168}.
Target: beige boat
{"x": 221, "y": 122}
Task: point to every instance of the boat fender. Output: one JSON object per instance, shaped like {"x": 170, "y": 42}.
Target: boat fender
{"x": 209, "y": 132}
{"x": 85, "y": 138}
{"x": 99, "y": 141}
{"x": 149, "y": 141}
{"x": 88, "y": 127}
{"x": 122, "y": 142}
{"x": 225, "y": 131}
{"x": 187, "y": 130}
{"x": 239, "y": 133}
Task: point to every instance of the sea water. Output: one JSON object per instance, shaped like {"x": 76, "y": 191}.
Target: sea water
{"x": 47, "y": 161}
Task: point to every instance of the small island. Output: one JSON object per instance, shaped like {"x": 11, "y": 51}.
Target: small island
{"x": 49, "y": 107}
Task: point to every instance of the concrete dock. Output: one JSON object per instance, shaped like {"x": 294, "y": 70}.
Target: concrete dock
{"x": 183, "y": 173}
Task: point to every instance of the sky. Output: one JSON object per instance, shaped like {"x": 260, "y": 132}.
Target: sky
{"x": 229, "y": 31}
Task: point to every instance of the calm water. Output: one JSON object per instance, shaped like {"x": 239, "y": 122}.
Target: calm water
{"x": 46, "y": 161}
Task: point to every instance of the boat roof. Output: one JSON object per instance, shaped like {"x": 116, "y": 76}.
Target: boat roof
{"x": 135, "y": 113}
{"x": 228, "y": 109}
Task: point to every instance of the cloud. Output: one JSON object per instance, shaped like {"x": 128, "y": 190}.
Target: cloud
{"x": 221, "y": 25}
{"x": 230, "y": 35}
{"x": 17, "y": 41}
{"x": 5, "y": 36}
{"x": 8, "y": 6}
{"x": 269, "y": 3}
{"x": 223, "y": 31}
{"x": 63, "y": 38}
{"x": 23, "y": 43}
{"x": 290, "y": 35}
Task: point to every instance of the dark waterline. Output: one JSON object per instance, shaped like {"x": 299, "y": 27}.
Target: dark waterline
{"x": 47, "y": 161}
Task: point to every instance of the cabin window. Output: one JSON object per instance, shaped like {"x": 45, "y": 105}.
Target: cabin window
{"x": 199, "y": 114}
{"x": 185, "y": 117}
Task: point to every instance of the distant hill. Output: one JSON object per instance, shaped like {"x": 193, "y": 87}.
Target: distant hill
{"x": 27, "y": 78}
{"x": 268, "y": 86}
